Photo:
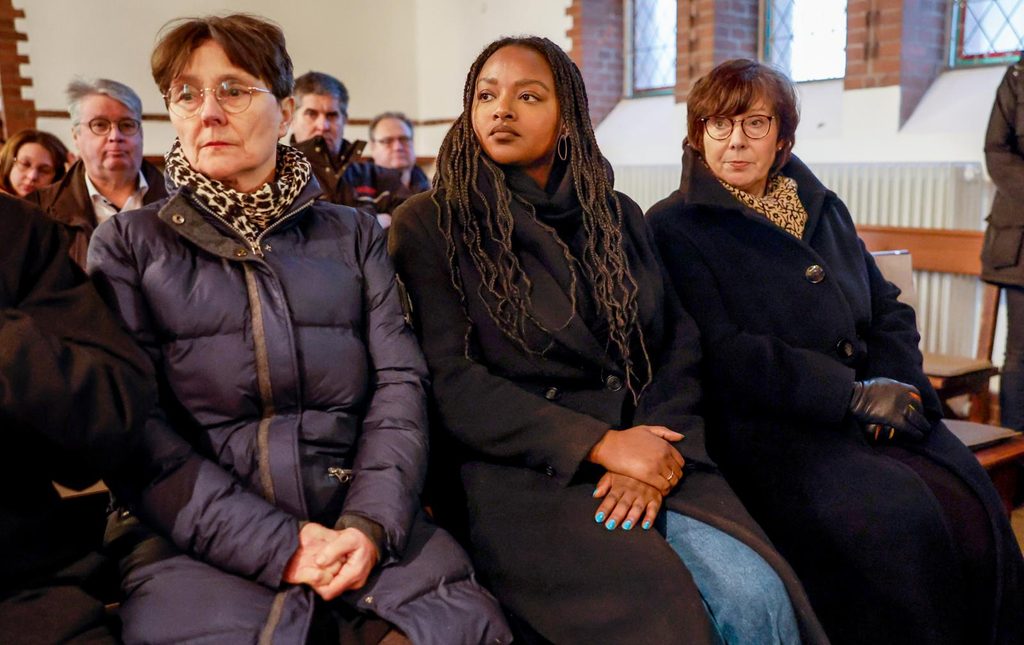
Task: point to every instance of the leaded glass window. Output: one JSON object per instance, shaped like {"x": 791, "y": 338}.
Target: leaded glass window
{"x": 653, "y": 45}
{"x": 806, "y": 38}
{"x": 986, "y": 32}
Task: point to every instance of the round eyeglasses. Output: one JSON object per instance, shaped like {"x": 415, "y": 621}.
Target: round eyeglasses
{"x": 755, "y": 126}
{"x": 101, "y": 127}
{"x": 186, "y": 100}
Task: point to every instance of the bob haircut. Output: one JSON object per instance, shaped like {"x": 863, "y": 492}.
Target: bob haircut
{"x": 9, "y": 154}
{"x": 732, "y": 88}
{"x": 250, "y": 42}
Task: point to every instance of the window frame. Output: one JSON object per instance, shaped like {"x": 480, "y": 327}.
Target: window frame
{"x": 766, "y": 8}
{"x": 957, "y": 59}
{"x": 629, "y": 73}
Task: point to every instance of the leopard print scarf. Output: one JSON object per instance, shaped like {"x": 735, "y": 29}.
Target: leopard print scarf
{"x": 781, "y": 204}
{"x": 247, "y": 213}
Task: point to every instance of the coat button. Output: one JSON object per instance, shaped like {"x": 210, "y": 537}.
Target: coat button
{"x": 267, "y": 248}
{"x": 552, "y": 394}
{"x": 613, "y": 383}
{"x": 240, "y": 252}
{"x": 844, "y": 348}
{"x": 178, "y": 218}
{"x": 549, "y": 471}
{"x": 814, "y": 274}
{"x": 368, "y": 600}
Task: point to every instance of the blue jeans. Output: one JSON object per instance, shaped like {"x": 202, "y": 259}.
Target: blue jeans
{"x": 744, "y": 596}
{"x": 1011, "y": 382}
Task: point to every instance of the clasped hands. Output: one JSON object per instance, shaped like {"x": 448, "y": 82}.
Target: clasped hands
{"x": 642, "y": 467}
{"x": 888, "y": 409}
{"x": 330, "y": 561}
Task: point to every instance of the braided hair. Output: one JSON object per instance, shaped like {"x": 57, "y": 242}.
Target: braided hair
{"x": 603, "y": 260}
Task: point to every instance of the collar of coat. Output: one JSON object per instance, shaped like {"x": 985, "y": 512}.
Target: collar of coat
{"x": 184, "y": 214}
{"x": 68, "y": 200}
{"x": 319, "y": 155}
{"x": 699, "y": 187}
{"x": 541, "y": 256}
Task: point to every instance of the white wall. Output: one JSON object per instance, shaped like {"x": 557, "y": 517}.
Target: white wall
{"x": 409, "y": 55}
{"x": 836, "y": 125}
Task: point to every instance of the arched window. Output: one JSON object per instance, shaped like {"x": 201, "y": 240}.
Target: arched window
{"x": 652, "y": 46}
{"x": 806, "y": 38}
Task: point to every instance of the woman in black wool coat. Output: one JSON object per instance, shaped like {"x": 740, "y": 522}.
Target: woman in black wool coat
{"x": 564, "y": 375}
{"x": 818, "y": 411}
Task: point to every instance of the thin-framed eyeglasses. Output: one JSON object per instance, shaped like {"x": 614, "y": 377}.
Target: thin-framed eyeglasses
{"x": 755, "y": 126}
{"x": 101, "y": 127}
{"x": 186, "y": 100}
{"x": 387, "y": 141}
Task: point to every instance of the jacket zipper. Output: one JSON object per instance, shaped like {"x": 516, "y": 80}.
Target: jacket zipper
{"x": 343, "y": 475}
{"x": 257, "y": 248}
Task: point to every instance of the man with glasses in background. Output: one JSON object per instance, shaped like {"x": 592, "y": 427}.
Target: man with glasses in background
{"x": 392, "y": 176}
{"x": 110, "y": 175}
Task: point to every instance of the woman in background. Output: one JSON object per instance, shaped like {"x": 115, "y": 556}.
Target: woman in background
{"x": 564, "y": 377}
{"x": 818, "y": 411}
{"x": 30, "y": 160}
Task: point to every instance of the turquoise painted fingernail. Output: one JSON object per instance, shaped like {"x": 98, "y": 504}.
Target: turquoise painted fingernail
{"x": 610, "y": 525}
{"x": 599, "y": 518}
{"x": 627, "y": 525}
{"x": 595, "y": 493}
{"x": 647, "y": 524}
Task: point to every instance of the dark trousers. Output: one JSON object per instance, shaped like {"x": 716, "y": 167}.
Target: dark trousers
{"x": 1011, "y": 385}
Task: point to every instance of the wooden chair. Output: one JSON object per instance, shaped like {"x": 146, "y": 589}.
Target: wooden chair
{"x": 959, "y": 252}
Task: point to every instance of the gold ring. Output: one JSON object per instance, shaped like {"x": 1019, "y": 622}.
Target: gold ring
{"x": 892, "y": 433}
{"x": 670, "y": 476}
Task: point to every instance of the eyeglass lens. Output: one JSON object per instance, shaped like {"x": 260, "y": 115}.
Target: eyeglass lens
{"x": 127, "y": 127}
{"x": 755, "y": 126}
{"x": 186, "y": 100}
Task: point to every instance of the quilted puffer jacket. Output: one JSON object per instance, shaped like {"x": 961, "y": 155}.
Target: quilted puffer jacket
{"x": 291, "y": 390}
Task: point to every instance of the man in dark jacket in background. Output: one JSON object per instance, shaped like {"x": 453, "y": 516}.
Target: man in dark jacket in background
{"x": 110, "y": 175}
{"x": 392, "y": 176}
{"x": 318, "y": 131}
{"x": 72, "y": 387}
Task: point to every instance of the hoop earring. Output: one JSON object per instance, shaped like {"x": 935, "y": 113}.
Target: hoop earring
{"x": 563, "y": 147}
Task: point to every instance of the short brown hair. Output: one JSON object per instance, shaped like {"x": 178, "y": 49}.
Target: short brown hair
{"x": 252, "y": 43}
{"x": 732, "y": 88}
{"x": 9, "y": 153}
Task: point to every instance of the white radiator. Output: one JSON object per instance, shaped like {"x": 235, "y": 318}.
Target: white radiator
{"x": 925, "y": 195}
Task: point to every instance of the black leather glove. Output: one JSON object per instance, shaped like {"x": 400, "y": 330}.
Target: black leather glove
{"x": 890, "y": 404}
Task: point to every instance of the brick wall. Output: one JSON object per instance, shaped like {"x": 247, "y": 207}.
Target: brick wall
{"x": 889, "y": 42}
{"x": 895, "y": 42}
{"x": 18, "y": 113}
{"x": 924, "y": 50}
{"x": 597, "y": 48}
{"x": 710, "y": 32}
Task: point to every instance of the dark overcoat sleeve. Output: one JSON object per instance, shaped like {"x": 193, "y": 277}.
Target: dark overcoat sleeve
{"x": 755, "y": 370}
{"x": 893, "y": 340}
{"x": 69, "y": 375}
{"x": 201, "y": 507}
{"x": 673, "y": 397}
{"x": 486, "y": 412}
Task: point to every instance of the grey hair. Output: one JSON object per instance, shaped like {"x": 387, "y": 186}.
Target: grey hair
{"x": 391, "y": 115}
{"x": 323, "y": 84}
{"x": 79, "y": 88}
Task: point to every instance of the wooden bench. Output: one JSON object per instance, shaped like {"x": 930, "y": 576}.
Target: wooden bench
{"x": 957, "y": 252}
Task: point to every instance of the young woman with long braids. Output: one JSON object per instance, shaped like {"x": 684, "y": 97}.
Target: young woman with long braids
{"x": 564, "y": 376}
